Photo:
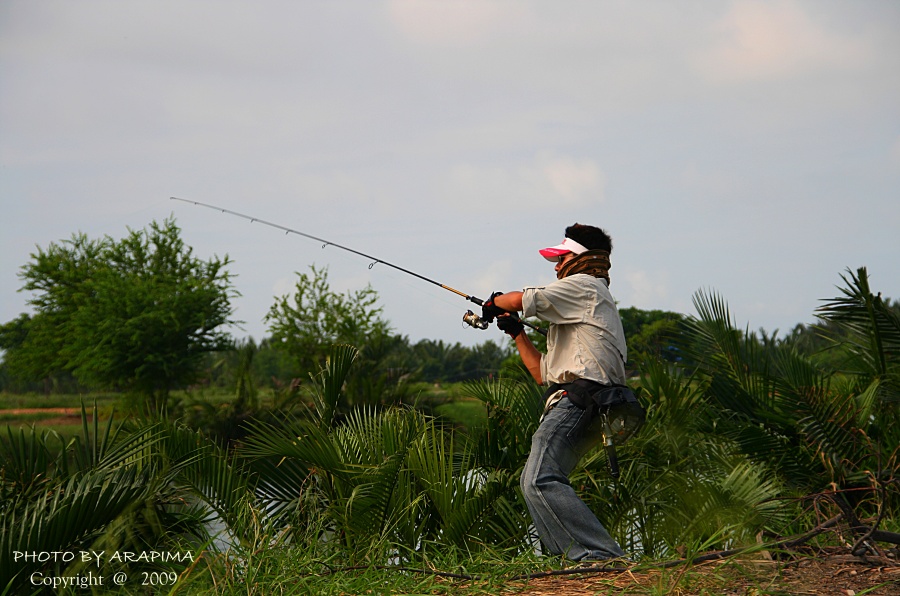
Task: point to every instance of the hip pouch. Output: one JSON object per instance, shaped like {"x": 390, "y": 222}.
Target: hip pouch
{"x": 615, "y": 410}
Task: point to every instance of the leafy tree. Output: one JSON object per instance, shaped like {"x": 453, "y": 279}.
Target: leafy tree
{"x": 309, "y": 322}
{"x": 15, "y": 373}
{"x": 312, "y": 319}
{"x": 135, "y": 314}
{"x": 651, "y": 334}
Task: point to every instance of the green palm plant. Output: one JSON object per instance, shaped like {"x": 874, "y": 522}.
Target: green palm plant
{"x": 464, "y": 503}
{"x": 865, "y": 331}
{"x": 351, "y": 470}
{"x": 513, "y": 411}
{"x": 811, "y": 427}
{"x": 681, "y": 483}
{"x": 499, "y": 450}
{"x": 390, "y": 475}
{"x": 72, "y": 513}
{"x": 27, "y": 456}
{"x": 870, "y": 340}
{"x": 128, "y": 485}
{"x": 213, "y": 482}
{"x": 56, "y": 495}
{"x": 756, "y": 392}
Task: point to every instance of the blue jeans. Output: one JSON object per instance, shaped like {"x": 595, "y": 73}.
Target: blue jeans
{"x": 564, "y": 523}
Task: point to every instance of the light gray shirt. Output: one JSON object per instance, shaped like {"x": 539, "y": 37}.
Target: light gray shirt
{"x": 586, "y": 339}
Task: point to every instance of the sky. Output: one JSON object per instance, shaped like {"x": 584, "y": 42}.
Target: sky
{"x": 743, "y": 148}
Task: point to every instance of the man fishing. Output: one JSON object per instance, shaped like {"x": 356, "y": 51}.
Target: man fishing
{"x": 586, "y": 353}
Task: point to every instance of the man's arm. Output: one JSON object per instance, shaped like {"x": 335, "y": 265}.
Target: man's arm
{"x": 531, "y": 358}
{"x": 510, "y": 302}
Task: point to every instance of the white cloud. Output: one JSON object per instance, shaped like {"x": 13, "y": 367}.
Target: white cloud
{"x": 449, "y": 23}
{"x": 495, "y": 277}
{"x": 646, "y": 292}
{"x": 557, "y": 180}
{"x": 775, "y": 40}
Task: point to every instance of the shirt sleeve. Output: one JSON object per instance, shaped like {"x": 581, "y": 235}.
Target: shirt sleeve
{"x": 561, "y": 302}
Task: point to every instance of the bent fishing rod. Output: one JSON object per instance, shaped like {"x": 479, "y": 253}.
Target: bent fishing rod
{"x": 470, "y": 318}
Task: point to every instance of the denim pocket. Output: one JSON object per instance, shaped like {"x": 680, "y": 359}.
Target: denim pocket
{"x": 578, "y": 422}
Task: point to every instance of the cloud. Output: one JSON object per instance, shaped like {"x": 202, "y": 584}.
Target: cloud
{"x": 646, "y": 292}
{"x": 558, "y": 180}
{"x": 448, "y": 23}
{"x": 496, "y": 276}
{"x": 775, "y": 40}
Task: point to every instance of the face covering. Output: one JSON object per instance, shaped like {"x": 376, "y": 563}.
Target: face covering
{"x": 592, "y": 262}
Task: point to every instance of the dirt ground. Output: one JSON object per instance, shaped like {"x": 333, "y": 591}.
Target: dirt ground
{"x": 65, "y": 415}
{"x": 831, "y": 576}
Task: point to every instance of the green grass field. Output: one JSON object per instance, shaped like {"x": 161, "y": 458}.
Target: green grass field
{"x": 62, "y": 412}
{"x": 467, "y": 412}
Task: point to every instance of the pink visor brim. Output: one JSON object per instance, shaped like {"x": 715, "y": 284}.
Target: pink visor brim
{"x": 554, "y": 252}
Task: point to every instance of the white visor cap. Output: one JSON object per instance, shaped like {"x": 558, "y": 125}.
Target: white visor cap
{"x": 566, "y": 246}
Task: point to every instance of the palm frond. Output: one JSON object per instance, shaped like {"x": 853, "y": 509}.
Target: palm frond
{"x": 216, "y": 477}
{"x": 872, "y": 327}
{"x": 513, "y": 412}
{"x": 469, "y": 503}
{"x": 330, "y": 382}
{"x": 62, "y": 517}
{"x": 285, "y": 486}
{"x": 375, "y": 446}
{"x": 27, "y": 460}
{"x": 734, "y": 363}
{"x": 302, "y": 440}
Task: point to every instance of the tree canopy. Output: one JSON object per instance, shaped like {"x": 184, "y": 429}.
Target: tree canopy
{"x": 314, "y": 317}
{"x": 135, "y": 314}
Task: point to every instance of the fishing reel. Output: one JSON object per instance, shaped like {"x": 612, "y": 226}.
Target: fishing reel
{"x": 473, "y": 320}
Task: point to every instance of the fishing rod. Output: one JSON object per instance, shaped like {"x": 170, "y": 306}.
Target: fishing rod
{"x": 470, "y": 318}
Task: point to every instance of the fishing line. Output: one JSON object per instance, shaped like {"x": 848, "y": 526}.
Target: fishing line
{"x": 470, "y": 318}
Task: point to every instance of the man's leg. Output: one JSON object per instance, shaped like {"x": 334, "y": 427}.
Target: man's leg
{"x": 563, "y": 521}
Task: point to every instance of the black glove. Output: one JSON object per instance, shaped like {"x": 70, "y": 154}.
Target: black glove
{"x": 511, "y": 325}
{"x": 489, "y": 310}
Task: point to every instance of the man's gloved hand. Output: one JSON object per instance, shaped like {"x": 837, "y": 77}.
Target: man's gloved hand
{"x": 510, "y": 324}
{"x": 489, "y": 310}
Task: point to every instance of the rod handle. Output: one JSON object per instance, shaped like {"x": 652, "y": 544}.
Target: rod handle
{"x": 612, "y": 458}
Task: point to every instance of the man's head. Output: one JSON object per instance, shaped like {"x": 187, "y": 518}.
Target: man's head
{"x": 579, "y": 239}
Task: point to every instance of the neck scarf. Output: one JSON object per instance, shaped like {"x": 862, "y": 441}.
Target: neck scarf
{"x": 592, "y": 262}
